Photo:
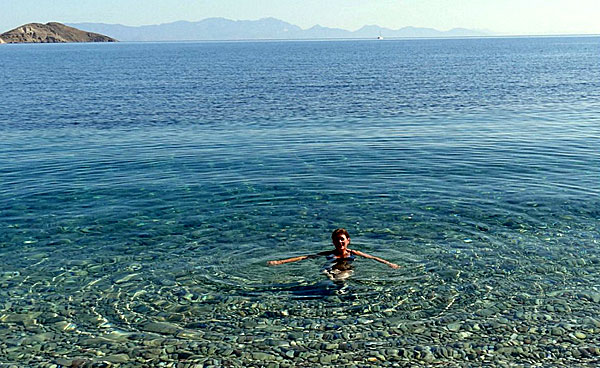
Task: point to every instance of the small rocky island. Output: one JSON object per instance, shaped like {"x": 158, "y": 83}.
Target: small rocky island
{"x": 50, "y": 33}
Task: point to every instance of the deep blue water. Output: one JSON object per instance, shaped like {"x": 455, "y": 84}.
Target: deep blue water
{"x": 137, "y": 178}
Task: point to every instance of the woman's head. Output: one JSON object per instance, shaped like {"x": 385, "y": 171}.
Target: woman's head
{"x": 337, "y": 232}
{"x": 340, "y": 239}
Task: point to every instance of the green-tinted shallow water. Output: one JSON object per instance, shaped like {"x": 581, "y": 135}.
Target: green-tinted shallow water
{"x": 140, "y": 203}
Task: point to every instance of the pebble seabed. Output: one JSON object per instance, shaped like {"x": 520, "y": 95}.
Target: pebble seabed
{"x": 247, "y": 334}
{"x": 484, "y": 291}
{"x": 440, "y": 318}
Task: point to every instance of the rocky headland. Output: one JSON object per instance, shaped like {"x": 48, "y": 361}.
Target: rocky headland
{"x": 52, "y": 32}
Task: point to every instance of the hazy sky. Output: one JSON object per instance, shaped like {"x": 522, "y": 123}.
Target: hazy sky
{"x": 501, "y": 16}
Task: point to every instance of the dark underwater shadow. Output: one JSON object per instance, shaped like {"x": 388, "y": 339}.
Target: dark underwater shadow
{"x": 334, "y": 283}
{"x": 336, "y": 271}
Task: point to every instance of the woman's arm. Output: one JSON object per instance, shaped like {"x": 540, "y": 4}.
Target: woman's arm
{"x": 359, "y": 253}
{"x": 288, "y": 260}
{"x": 299, "y": 258}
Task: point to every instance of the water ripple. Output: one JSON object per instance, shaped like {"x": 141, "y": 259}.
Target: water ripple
{"x": 139, "y": 208}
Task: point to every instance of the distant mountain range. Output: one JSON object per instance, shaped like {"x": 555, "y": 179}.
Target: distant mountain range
{"x": 267, "y": 28}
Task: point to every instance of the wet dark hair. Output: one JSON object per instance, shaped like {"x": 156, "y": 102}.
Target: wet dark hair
{"x": 338, "y": 232}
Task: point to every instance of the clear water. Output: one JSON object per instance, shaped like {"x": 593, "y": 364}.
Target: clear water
{"x": 144, "y": 186}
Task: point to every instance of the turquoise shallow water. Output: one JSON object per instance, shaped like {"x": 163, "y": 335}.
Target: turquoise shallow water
{"x": 144, "y": 187}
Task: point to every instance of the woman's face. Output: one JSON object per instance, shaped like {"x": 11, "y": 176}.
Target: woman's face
{"x": 341, "y": 242}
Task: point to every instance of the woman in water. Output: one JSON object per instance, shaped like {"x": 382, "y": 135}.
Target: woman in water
{"x": 341, "y": 240}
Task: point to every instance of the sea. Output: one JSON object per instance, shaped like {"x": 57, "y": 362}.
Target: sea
{"x": 144, "y": 187}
